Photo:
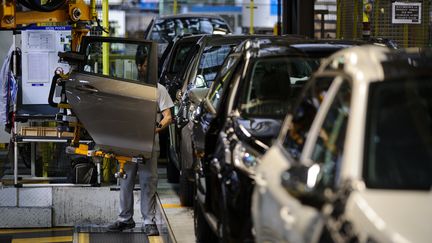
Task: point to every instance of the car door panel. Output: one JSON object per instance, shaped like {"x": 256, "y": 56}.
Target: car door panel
{"x": 115, "y": 113}
{"x": 115, "y": 107}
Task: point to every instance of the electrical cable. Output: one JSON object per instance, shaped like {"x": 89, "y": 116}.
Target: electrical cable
{"x": 100, "y": 27}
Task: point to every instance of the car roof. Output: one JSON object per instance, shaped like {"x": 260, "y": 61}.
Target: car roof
{"x": 181, "y": 16}
{"x": 374, "y": 63}
{"x": 221, "y": 39}
{"x": 188, "y": 38}
{"x": 264, "y": 46}
{"x": 408, "y": 63}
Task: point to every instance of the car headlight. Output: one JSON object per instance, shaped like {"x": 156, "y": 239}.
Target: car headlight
{"x": 244, "y": 159}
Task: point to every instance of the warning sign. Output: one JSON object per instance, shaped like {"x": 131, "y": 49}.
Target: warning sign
{"x": 406, "y": 13}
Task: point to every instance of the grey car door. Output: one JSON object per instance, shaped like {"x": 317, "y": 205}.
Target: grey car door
{"x": 113, "y": 99}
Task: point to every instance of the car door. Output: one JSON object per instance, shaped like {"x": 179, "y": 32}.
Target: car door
{"x": 115, "y": 106}
{"x": 212, "y": 103}
{"x": 325, "y": 147}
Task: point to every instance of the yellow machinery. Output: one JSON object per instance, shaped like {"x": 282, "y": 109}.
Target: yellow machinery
{"x": 78, "y": 14}
{"x": 74, "y": 12}
{"x": 83, "y": 149}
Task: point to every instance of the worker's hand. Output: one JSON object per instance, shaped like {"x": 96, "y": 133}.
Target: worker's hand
{"x": 157, "y": 130}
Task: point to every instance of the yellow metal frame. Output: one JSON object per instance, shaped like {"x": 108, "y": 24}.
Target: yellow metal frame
{"x": 105, "y": 45}
{"x": 82, "y": 149}
{"x": 175, "y": 7}
{"x": 10, "y": 19}
{"x": 76, "y": 11}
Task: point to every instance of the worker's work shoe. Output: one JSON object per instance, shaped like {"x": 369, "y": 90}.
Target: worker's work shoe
{"x": 151, "y": 230}
{"x": 120, "y": 226}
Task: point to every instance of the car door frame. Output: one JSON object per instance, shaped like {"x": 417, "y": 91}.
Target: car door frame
{"x": 313, "y": 134}
{"x": 111, "y": 143}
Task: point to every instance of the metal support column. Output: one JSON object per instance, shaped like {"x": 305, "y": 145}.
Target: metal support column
{"x": 105, "y": 46}
{"x": 298, "y": 17}
{"x": 279, "y": 18}
{"x": 251, "y": 25}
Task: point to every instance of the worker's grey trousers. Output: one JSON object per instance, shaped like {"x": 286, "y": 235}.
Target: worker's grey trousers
{"x": 147, "y": 173}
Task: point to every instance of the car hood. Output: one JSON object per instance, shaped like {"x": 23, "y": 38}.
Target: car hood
{"x": 397, "y": 216}
{"x": 263, "y": 129}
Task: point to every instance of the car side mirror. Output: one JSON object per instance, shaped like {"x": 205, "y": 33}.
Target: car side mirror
{"x": 302, "y": 182}
{"x": 196, "y": 95}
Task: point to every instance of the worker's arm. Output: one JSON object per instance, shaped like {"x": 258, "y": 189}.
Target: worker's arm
{"x": 167, "y": 119}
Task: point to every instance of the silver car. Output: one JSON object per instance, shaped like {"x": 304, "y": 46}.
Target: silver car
{"x": 353, "y": 162}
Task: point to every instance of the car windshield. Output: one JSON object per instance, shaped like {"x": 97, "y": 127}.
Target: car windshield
{"x": 165, "y": 30}
{"x": 210, "y": 63}
{"x": 398, "y": 144}
{"x": 273, "y": 84}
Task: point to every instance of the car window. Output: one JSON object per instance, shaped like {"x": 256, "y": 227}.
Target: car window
{"x": 210, "y": 63}
{"x": 127, "y": 61}
{"x": 165, "y": 30}
{"x": 304, "y": 114}
{"x": 273, "y": 85}
{"x": 398, "y": 138}
{"x": 328, "y": 148}
{"x": 220, "y": 85}
{"x": 180, "y": 59}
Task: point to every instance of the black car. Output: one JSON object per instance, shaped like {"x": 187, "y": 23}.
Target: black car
{"x": 205, "y": 58}
{"x": 164, "y": 29}
{"x": 237, "y": 122}
{"x": 175, "y": 58}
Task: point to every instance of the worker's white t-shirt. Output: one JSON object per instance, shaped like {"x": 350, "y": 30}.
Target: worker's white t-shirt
{"x": 163, "y": 99}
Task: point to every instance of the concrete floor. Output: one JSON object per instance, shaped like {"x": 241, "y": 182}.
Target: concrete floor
{"x": 175, "y": 224}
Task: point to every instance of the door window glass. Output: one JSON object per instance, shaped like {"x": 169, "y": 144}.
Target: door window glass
{"x": 165, "y": 30}
{"x": 128, "y": 61}
{"x": 220, "y": 85}
{"x": 180, "y": 57}
{"x": 304, "y": 114}
{"x": 328, "y": 149}
{"x": 210, "y": 63}
{"x": 398, "y": 135}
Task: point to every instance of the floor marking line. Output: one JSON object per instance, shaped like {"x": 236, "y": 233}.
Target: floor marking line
{"x": 153, "y": 239}
{"x": 83, "y": 238}
{"x": 44, "y": 239}
{"x": 17, "y": 231}
{"x": 172, "y": 205}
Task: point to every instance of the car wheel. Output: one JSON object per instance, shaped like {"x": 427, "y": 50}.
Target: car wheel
{"x": 203, "y": 232}
{"x": 187, "y": 188}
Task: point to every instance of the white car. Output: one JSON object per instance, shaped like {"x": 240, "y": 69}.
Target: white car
{"x": 353, "y": 162}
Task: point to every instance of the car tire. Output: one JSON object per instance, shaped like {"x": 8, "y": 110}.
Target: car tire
{"x": 187, "y": 189}
{"x": 203, "y": 232}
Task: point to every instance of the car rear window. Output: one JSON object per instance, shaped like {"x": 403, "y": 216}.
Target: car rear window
{"x": 165, "y": 30}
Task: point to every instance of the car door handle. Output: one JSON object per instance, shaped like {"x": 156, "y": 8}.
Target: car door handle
{"x": 86, "y": 88}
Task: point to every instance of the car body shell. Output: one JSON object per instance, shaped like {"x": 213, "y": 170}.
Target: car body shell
{"x": 188, "y": 96}
{"x": 372, "y": 215}
{"x": 224, "y": 185}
